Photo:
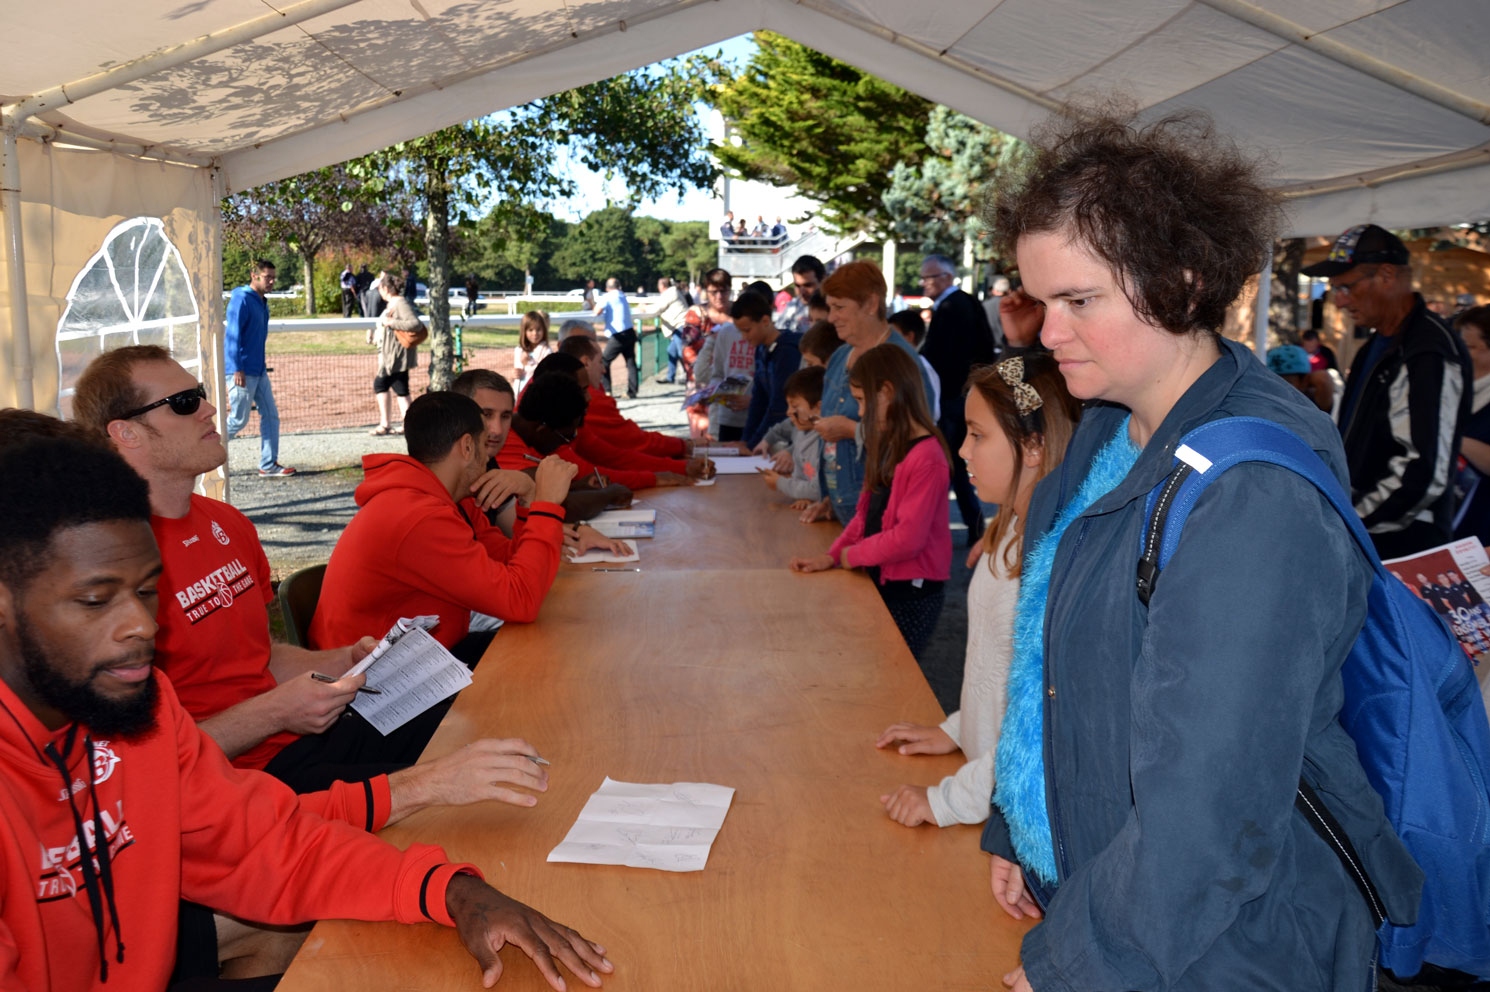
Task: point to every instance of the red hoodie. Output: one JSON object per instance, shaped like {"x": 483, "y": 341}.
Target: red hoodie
{"x": 515, "y": 451}
{"x": 604, "y": 418}
{"x": 181, "y": 822}
{"x": 412, "y": 550}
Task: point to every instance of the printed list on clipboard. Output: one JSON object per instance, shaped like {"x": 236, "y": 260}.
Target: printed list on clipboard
{"x": 411, "y": 671}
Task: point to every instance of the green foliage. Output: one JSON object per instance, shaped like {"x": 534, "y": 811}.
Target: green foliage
{"x": 935, "y": 205}
{"x": 833, "y": 131}
{"x": 602, "y": 245}
{"x": 639, "y": 126}
{"x": 307, "y": 214}
{"x": 501, "y": 247}
{"x": 687, "y": 250}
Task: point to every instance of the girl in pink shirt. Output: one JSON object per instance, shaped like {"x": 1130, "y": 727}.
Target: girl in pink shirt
{"x": 900, "y": 533}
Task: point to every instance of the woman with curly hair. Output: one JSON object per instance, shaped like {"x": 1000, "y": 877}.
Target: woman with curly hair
{"x": 1149, "y": 756}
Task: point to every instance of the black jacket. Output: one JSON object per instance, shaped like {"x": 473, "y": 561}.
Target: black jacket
{"x": 1402, "y": 433}
{"x": 958, "y": 339}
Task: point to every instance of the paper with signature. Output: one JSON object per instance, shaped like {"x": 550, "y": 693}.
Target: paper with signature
{"x": 667, "y": 827}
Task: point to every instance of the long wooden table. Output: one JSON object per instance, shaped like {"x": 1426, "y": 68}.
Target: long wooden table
{"x": 713, "y": 664}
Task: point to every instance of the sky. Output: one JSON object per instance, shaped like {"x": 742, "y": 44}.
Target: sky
{"x": 594, "y": 190}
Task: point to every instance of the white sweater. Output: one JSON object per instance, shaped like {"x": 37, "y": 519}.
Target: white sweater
{"x": 964, "y": 796}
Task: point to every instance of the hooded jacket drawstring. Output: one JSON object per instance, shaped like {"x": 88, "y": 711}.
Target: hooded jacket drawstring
{"x": 91, "y": 878}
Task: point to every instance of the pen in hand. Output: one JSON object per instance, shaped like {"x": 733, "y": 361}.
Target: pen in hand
{"x": 319, "y": 677}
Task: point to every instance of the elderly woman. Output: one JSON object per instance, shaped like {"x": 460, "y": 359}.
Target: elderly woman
{"x": 394, "y": 360}
{"x": 1149, "y": 756}
{"x": 856, "y": 306}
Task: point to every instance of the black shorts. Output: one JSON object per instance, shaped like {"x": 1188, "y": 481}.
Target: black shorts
{"x": 396, "y": 381}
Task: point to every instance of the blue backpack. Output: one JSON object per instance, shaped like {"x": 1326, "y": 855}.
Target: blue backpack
{"x": 1412, "y": 706}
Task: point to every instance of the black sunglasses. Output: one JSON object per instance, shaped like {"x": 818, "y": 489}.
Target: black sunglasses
{"x": 182, "y": 404}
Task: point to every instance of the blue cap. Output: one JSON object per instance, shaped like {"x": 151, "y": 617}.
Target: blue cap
{"x": 1288, "y": 359}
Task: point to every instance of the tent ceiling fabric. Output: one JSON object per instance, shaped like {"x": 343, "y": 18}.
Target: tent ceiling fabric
{"x": 379, "y": 71}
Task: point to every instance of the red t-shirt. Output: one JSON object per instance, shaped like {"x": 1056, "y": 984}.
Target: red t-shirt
{"x": 213, "y": 614}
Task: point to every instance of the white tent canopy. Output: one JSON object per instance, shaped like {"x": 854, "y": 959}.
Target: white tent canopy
{"x": 1370, "y": 109}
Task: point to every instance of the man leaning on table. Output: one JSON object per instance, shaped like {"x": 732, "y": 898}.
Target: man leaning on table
{"x": 130, "y": 806}
{"x": 420, "y": 544}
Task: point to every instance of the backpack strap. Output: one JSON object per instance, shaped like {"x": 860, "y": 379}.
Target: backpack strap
{"x": 1202, "y": 455}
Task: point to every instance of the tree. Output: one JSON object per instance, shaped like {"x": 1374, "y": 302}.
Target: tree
{"x": 307, "y": 214}
{"x": 640, "y": 126}
{"x": 936, "y": 204}
{"x": 502, "y": 250}
{"x": 602, "y": 245}
{"x": 688, "y": 250}
{"x": 833, "y": 131}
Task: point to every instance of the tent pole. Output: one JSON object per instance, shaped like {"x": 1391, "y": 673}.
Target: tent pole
{"x": 15, "y": 272}
{"x": 1264, "y": 304}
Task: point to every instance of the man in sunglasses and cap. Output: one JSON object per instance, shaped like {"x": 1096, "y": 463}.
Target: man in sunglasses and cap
{"x": 1407, "y": 397}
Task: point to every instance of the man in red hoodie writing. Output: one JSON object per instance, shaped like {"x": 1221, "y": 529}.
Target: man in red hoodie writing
{"x": 419, "y": 543}
{"x": 115, "y": 804}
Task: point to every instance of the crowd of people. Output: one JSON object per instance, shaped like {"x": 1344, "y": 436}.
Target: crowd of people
{"x": 1134, "y": 763}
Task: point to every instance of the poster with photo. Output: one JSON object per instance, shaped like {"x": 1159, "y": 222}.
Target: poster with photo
{"x": 1454, "y": 579}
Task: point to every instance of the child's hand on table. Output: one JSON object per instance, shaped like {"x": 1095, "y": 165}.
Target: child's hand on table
{"x": 817, "y": 563}
{"x": 913, "y": 738}
{"x": 821, "y": 510}
{"x": 908, "y": 806}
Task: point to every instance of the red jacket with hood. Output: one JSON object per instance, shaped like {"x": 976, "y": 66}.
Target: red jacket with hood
{"x": 603, "y": 417}
{"x": 412, "y": 550}
{"x": 180, "y": 822}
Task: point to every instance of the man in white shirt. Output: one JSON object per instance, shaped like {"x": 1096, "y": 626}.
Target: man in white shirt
{"x": 615, "y": 310}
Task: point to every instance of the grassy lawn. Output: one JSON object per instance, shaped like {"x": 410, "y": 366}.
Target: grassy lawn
{"x": 355, "y": 342}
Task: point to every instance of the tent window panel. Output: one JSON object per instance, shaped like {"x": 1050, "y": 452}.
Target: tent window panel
{"x": 134, "y": 290}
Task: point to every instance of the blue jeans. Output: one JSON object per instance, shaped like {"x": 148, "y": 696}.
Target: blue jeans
{"x": 674, "y": 355}
{"x": 255, "y": 390}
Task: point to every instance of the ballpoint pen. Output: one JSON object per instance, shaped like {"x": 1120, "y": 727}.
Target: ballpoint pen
{"x": 615, "y": 570}
{"x": 319, "y": 677}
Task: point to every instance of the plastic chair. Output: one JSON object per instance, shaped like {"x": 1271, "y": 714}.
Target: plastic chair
{"x": 298, "y": 594}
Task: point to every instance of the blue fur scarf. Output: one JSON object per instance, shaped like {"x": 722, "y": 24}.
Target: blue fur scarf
{"x": 1020, "y": 760}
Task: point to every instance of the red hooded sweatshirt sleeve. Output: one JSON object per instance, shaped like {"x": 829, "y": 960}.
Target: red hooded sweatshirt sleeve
{"x": 515, "y": 456}
{"x": 177, "y": 821}
{"x": 598, "y": 449}
{"x": 604, "y": 417}
{"x": 412, "y": 550}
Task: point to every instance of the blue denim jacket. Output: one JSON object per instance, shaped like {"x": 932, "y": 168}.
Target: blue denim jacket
{"x": 1175, "y": 735}
{"x": 843, "y": 461}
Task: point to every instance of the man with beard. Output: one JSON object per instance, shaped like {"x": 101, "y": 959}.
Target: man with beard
{"x": 129, "y": 805}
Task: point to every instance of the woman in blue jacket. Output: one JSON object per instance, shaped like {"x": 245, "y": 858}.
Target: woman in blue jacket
{"x": 1148, "y": 761}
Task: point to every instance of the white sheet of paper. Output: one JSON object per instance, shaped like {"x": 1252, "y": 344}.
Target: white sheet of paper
{"x": 705, "y": 482}
{"x": 744, "y": 465}
{"x": 601, "y": 555}
{"x": 411, "y": 676}
{"x": 642, "y": 825}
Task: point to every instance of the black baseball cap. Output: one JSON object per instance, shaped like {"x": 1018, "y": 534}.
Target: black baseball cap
{"x": 1364, "y": 244}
